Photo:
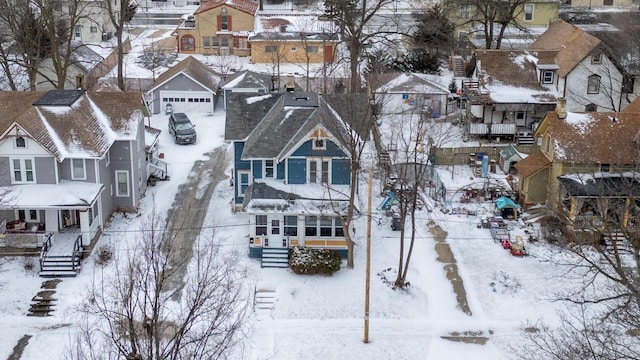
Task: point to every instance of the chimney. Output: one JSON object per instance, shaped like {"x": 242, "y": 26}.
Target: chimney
{"x": 561, "y": 108}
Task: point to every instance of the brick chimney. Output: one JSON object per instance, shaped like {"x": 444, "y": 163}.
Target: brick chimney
{"x": 561, "y": 108}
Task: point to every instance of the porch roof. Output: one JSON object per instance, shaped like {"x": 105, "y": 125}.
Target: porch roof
{"x": 66, "y": 194}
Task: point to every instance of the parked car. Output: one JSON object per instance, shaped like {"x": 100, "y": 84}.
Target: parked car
{"x": 181, "y": 128}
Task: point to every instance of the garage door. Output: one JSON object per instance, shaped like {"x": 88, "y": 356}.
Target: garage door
{"x": 187, "y": 101}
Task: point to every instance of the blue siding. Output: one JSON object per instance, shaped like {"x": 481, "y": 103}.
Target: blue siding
{"x": 255, "y": 252}
{"x": 297, "y": 171}
{"x": 332, "y": 150}
{"x": 238, "y": 164}
{"x": 340, "y": 171}
{"x": 280, "y": 171}
{"x": 257, "y": 169}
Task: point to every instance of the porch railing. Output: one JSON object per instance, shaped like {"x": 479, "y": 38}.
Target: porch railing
{"x": 46, "y": 246}
{"x": 25, "y": 239}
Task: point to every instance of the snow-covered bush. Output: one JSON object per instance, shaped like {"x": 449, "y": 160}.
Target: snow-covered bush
{"x": 303, "y": 260}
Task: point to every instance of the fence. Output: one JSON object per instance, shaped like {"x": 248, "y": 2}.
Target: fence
{"x": 461, "y": 155}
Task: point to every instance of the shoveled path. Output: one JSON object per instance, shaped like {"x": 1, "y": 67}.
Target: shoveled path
{"x": 186, "y": 215}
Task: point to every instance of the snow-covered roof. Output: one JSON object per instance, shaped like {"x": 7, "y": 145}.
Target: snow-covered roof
{"x": 71, "y": 194}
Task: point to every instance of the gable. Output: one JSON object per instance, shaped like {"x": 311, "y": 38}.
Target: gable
{"x": 185, "y": 83}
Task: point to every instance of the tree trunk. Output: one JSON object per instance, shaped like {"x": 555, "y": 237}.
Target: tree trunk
{"x": 354, "y": 52}
{"x": 120, "y": 60}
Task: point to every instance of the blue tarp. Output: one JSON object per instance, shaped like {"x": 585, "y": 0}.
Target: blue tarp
{"x": 503, "y": 202}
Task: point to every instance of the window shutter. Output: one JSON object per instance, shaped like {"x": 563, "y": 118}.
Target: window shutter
{"x": 229, "y": 22}
{"x": 219, "y": 22}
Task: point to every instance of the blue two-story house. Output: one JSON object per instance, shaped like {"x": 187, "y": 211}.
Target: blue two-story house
{"x": 292, "y": 166}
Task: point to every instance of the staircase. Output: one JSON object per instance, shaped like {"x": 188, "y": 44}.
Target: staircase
{"x": 458, "y": 67}
{"x": 275, "y": 258}
{"x": 617, "y": 243}
{"x": 264, "y": 299}
{"x": 60, "y": 265}
{"x": 525, "y": 138}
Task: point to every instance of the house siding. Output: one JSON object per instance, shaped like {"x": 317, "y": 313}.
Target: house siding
{"x": 179, "y": 83}
{"x": 239, "y": 165}
{"x": 5, "y": 175}
{"x": 45, "y": 170}
{"x": 296, "y": 171}
{"x": 306, "y": 149}
{"x": 285, "y": 54}
{"x": 340, "y": 174}
{"x": 576, "y": 82}
{"x": 281, "y": 171}
{"x": 121, "y": 160}
{"x": 64, "y": 170}
{"x": 257, "y": 169}
{"x": 106, "y": 179}
{"x": 207, "y": 23}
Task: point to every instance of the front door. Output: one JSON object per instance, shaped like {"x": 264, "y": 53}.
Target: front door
{"x": 276, "y": 239}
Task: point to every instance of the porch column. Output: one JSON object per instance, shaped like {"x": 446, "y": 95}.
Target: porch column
{"x": 85, "y": 228}
{"x": 301, "y": 230}
{"x": 51, "y": 220}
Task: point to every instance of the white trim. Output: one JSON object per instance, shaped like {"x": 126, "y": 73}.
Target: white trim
{"x": 524, "y": 11}
{"x": 318, "y": 161}
{"x": 273, "y": 167}
{"x": 213, "y": 92}
{"x": 117, "y": 183}
{"x": 27, "y": 213}
{"x": 239, "y": 189}
{"x": 84, "y": 170}
{"x": 133, "y": 192}
{"x": 23, "y": 172}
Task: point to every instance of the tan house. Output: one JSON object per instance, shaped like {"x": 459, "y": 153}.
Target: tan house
{"x": 293, "y": 47}
{"x": 577, "y": 143}
{"x": 600, "y": 4}
{"x": 217, "y": 27}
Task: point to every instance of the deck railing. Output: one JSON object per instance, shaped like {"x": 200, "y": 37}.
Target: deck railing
{"x": 46, "y": 246}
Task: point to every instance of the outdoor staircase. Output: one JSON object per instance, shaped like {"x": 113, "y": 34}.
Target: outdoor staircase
{"x": 54, "y": 265}
{"x": 458, "y": 66}
{"x": 264, "y": 299}
{"x": 617, "y": 242}
{"x": 526, "y": 139}
{"x": 275, "y": 258}
{"x": 60, "y": 266}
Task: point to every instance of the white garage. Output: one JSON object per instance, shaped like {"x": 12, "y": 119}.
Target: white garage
{"x": 187, "y": 101}
{"x": 189, "y": 86}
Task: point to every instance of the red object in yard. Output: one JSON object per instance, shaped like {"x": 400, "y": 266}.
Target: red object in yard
{"x": 506, "y": 244}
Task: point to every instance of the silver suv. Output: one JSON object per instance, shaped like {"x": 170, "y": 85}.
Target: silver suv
{"x": 181, "y": 128}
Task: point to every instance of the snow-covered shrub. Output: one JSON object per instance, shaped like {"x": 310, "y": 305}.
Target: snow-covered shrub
{"x": 303, "y": 260}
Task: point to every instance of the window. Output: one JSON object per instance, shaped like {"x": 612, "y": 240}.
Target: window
{"x": 188, "y": 43}
{"x": 291, "y": 225}
{"x": 591, "y": 107}
{"x": 29, "y": 215}
{"x": 261, "y": 225}
{"x": 312, "y": 49}
{"x": 520, "y": 115}
{"x": 464, "y": 11}
{"x": 593, "y": 85}
{"x": 338, "y": 230}
{"x": 243, "y": 182}
{"x": 78, "y": 170}
{"x": 596, "y": 57}
{"x": 21, "y": 142}
{"x": 224, "y": 42}
{"x": 224, "y": 20}
{"x": 547, "y": 77}
{"x": 310, "y": 226}
{"x": 77, "y": 31}
{"x": 242, "y": 43}
{"x": 319, "y": 144}
{"x": 275, "y": 226}
{"x": 57, "y": 5}
{"x": 93, "y": 29}
{"x": 293, "y": 48}
{"x": 270, "y": 49}
{"x": 326, "y": 226}
{"x": 268, "y": 168}
{"x": 206, "y": 42}
{"x": 22, "y": 171}
{"x": 318, "y": 171}
{"x": 122, "y": 183}
{"x": 528, "y": 12}
{"x": 605, "y": 168}
{"x": 216, "y": 42}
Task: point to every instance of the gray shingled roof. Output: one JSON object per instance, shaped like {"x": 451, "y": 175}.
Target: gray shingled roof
{"x": 243, "y": 113}
{"x": 248, "y": 79}
{"x": 289, "y": 121}
{"x": 259, "y": 190}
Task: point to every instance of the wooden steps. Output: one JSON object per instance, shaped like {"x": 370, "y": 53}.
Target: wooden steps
{"x": 275, "y": 258}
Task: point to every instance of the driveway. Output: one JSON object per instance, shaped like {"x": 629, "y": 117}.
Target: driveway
{"x": 189, "y": 208}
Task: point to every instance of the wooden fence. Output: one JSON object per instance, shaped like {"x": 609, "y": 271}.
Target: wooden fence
{"x": 462, "y": 155}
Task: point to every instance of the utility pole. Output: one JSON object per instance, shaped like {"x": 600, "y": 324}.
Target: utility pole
{"x": 368, "y": 266}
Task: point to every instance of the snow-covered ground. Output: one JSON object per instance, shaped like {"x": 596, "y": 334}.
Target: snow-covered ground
{"x": 323, "y": 317}
{"x": 319, "y": 317}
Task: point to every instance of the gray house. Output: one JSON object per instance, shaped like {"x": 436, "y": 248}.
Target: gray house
{"x": 69, "y": 159}
{"x": 189, "y": 86}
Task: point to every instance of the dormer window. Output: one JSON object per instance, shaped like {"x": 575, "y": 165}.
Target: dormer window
{"x": 21, "y": 142}
{"x": 547, "y": 77}
{"x": 596, "y": 58}
{"x": 319, "y": 144}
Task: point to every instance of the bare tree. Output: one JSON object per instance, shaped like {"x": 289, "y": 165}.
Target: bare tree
{"x": 120, "y": 14}
{"x": 494, "y": 17}
{"x": 361, "y": 23}
{"x": 130, "y": 314}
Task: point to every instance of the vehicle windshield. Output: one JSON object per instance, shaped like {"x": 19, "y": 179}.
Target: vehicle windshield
{"x": 184, "y": 126}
